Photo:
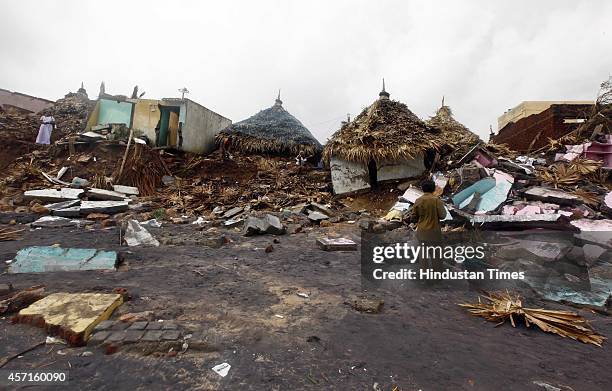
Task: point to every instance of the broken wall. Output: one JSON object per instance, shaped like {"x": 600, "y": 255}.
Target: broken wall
{"x": 348, "y": 176}
{"x": 399, "y": 170}
{"x": 550, "y": 123}
{"x": 146, "y": 117}
{"x": 200, "y": 127}
{"x": 23, "y": 101}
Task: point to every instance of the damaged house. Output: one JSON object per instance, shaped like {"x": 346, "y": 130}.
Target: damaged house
{"x": 22, "y": 103}
{"x": 385, "y": 142}
{"x": 271, "y": 131}
{"x": 529, "y": 126}
{"x": 177, "y": 123}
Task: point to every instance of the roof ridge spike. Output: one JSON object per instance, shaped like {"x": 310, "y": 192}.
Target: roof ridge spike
{"x": 383, "y": 94}
{"x": 278, "y": 101}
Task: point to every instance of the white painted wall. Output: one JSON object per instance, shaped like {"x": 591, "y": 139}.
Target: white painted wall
{"x": 200, "y": 127}
{"x": 348, "y": 176}
{"x": 400, "y": 170}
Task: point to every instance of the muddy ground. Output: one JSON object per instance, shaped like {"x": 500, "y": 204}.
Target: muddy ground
{"x": 420, "y": 341}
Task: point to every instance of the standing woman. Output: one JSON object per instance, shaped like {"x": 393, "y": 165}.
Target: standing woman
{"x": 44, "y": 133}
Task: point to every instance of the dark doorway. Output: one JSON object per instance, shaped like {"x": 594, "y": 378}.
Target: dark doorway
{"x": 373, "y": 173}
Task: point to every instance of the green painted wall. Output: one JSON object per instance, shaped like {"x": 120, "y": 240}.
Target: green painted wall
{"x": 113, "y": 112}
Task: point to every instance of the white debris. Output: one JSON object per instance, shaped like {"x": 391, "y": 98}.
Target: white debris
{"x": 136, "y": 235}
{"x": 222, "y": 369}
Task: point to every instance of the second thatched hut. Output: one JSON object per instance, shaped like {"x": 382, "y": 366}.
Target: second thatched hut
{"x": 271, "y": 131}
{"x": 386, "y": 141}
{"x": 457, "y": 139}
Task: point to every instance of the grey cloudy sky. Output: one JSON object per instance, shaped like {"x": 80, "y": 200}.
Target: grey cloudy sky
{"x": 328, "y": 57}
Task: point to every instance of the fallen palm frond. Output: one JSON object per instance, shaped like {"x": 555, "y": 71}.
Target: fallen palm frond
{"x": 501, "y": 307}
{"x": 584, "y": 166}
{"x": 501, "y": 149}
{"x": 8, "y": 234}
{"x": 588, "y": 197}
{"x": 559, "y": 175}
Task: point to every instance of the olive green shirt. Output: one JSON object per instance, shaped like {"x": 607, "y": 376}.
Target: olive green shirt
{"x": 427, "y": 211}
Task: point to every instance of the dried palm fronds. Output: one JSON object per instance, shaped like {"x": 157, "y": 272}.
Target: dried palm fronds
{"x": 385, "y": 131}
{"x": 505, "y": 306}
{"x": 457, "y": 137}
{"x": 501, "y": 149}
{"x": 584, "y": 166}
{"x": 8, "y": 234}
{"x": 559, "y": 175}
{"x": 588, "y": 197}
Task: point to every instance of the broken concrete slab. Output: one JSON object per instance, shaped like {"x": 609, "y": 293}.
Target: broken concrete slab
{"x": 71, "y": 316}
{"x": 53, "y": 195}
{"x": 232, "y": 212}
{"x": 51, "y": 259}
{"x": 269, "y": 224}
{"x": 233, "y": 223}
{"x": 73, "y": 211}
{"x": 108, "y": 207}
{"x": 552, "y": 195}
{"x": 129, "y": 190}
{"x": 61, "y": 205}
{"x": 54, "y": 222}
{"x": 411, "y": 195}
{"x": 336, "y": 244}
{"x": 322, "y": 209}
{"x": 104, "y": 195}
{"x": 317, "y": 216}
{"x": 136, "y": 235}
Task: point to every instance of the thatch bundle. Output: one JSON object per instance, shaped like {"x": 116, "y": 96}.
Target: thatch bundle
{"x": 385, "y": 131}
{"x": 500, "y": 307}
{"x": 457, "y": 138}
{"x": 273, "y": 131}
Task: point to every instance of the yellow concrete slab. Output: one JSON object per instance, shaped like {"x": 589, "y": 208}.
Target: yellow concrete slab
{"x": 72, "y": 316}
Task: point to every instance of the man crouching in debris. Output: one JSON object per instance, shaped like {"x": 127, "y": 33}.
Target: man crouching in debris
{"x": 427, "y": 212}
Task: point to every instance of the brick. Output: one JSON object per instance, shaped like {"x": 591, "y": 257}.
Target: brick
{"x": 138, "y": 326}
{"x": 116, "y": 336}
{"x": 120, "y": 326}
{"x": 154, "y": 326}
{"x": 152, "y": 336}
{"x": 99, "y": 337}
{"x": 104, "y": 325}
{"x": 169, "y": 326}
{"x": 133, "y": 335}
{"x": 171, "y": 335}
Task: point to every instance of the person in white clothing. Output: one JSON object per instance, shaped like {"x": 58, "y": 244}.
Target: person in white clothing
{"x": 44, "y": 133}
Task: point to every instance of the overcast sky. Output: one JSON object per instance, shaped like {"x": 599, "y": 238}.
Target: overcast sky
{"x": 328, "y": 57}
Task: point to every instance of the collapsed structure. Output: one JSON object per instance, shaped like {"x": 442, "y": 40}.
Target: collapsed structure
{"x": 271, "y": 131}
{"x": 181, "y": 124}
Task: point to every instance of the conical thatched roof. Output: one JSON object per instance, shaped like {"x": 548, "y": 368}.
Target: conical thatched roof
{"x": 272, "y": 130}
{"x": 457, "y": 138}
{"x": 385, "y": 131}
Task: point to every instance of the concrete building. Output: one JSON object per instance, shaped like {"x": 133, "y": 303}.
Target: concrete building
{"x": 530, "y": 107}
{"x": 10, "y": 100}
{"x": 178, "y": 123}
{"x": 534, "y": 124}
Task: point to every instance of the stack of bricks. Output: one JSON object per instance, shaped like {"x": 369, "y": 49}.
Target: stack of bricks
{"x": 118, "y": 333}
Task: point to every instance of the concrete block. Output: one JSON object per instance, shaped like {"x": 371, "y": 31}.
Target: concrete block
{"x": 71, "y": 316}
{"x": 104, "y": 195}
{"x": 152, "y": 336}
{"x": 340, "y": 244}
{"x": 51, "y": 259}
{"x": 53, "y": 195}
{"x": 129, "y": 190}
{"x": 108, "y": 207}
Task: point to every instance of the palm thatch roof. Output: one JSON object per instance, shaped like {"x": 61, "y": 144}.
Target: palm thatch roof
{"x": 457, "y": 138}
{"x": 385, "y": 131}
{"x": 273, "y": 131}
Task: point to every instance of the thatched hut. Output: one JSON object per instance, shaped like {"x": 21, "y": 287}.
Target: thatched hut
{"x": 386, "y": 141}
{"x": 456, "y": 139}
{"x": 271, "y": 131}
